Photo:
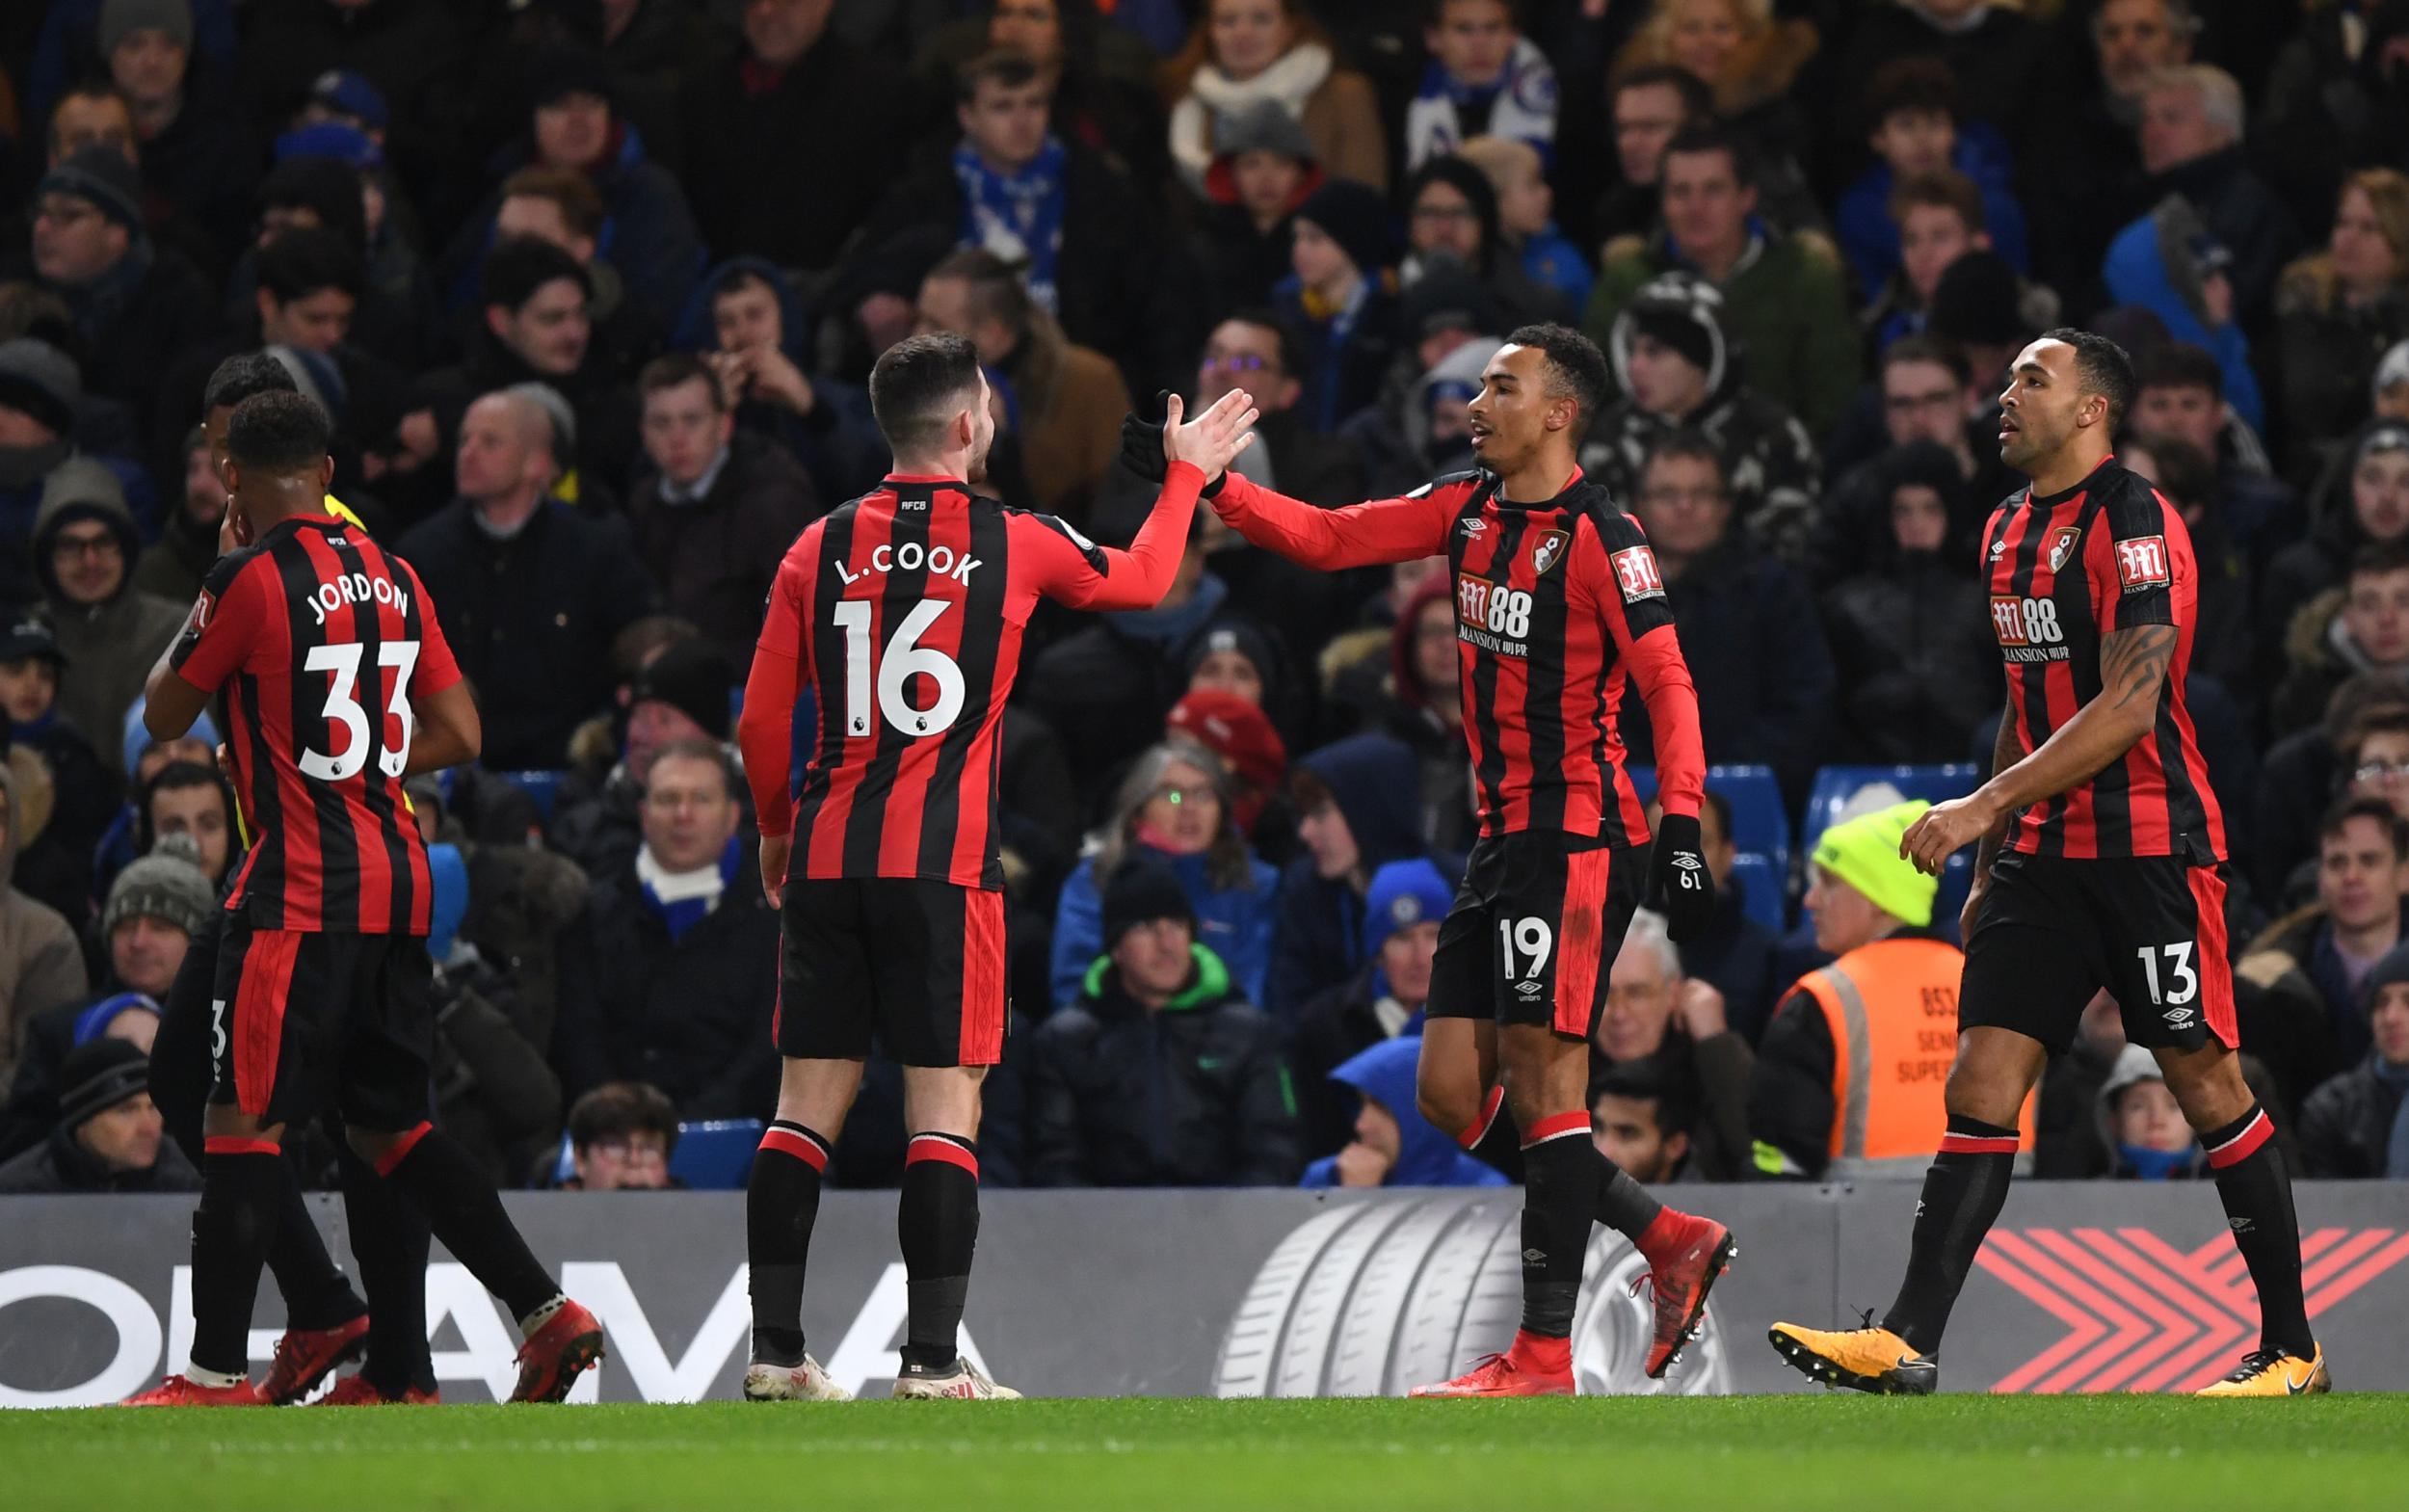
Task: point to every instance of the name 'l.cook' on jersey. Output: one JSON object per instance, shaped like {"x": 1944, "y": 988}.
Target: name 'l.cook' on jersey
{"x": 2066, "y": 569}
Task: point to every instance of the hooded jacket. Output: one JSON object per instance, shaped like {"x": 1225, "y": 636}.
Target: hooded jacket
{"x": 111, "y": 646}
{"x": 2322, "y": 558}
{"x": 1376, "y": 783}
{"x": 1426, "y": 1156}
{"x": 1193, "y": 1094}
{"x": 2133, "y": 1066}
{"x": 40, "y": 964}
{"x": 1771, "y": 465}
{"x": 2320, "y": 656}
{"x": 2150, "y": 264}
{"x": 1236, "y": 924}
{"x": 837, "y": 443}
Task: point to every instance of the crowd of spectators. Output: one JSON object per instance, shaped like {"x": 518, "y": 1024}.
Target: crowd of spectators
{"x": 591, "y": 287}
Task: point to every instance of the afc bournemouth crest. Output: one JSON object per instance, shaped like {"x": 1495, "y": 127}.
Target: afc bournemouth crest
{"x": 2062, "y": 547}
{"x": 1550, "y": 551}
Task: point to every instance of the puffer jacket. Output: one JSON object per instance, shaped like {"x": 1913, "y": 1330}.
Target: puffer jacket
{"x": 1376, "y": 782}
{"x": 1194, "y": 1094}
{"x": 59, "y": 1166}
{"x": 110, "y": 647}
{"x": 1426, "y": 1156}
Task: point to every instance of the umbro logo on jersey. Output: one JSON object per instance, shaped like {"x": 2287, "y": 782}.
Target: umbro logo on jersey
{"x": 1475, "y": 525}
{"x": 1999, "y": 549}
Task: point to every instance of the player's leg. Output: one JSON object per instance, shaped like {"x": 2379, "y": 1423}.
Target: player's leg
{"x": 387, "y": 1045}
{"x": 1455, "y": 1082}
{"x": 389, "y": 1246}
{"x": 940, "y": 996}
{"x": 822, "y": 1026}
{"x": 2177, "y": 996}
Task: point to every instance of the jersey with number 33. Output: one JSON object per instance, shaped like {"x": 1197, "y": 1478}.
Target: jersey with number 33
{"x": 2066, "y": 569}
{"x": 318, "y": 641}
{"x": 904, "y": 611}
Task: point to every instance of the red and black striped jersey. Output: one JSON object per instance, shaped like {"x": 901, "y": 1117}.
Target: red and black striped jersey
{"x": 1556, "y": 605}
{"x": 903, "y": 610}
{"x": 318, "y": 641}
{"x": 2066, "y": 569}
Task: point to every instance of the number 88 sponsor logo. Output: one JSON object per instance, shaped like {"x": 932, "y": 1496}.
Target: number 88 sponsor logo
{"x": 2025, "y": 622}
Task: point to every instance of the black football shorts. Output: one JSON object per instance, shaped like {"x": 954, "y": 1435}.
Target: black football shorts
{"x": 301, "y": 1020}
{"x": 2150, "y": 929}
{"x": 1534, "y": 930}
{"x": 916, "y": 966}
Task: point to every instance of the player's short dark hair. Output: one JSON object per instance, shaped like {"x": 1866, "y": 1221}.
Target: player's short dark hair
{"x": 673, "y": 368}
{"x": 242, "y": 375}
{"x": 996, "y": 292}
{"x": 90, "y": 89}
{"x": 582, "y": 210}
{"x": 1711, "y": 136}
{"x": 2380, "y": 558}
{"x": 2395, "y": 828}
{"x": 2178, "y": 364}
{"x": 919, "y": 385}
{"x": 1435, "y": 12}
{"x": 309, "y": 259}
{"x": 736, "y": 279}
{"x": 1924, "y": 347}
{"x": 1947, "y": 190}
{"x": 710, "y": 752}
{"x": 1577, "y": 370}
{"x": 1921, "y": 83}
{"x": 1698, "y": 101}
{"x": 1000, "y": 66}
{"x": 1284, "y": 335}
{"x": 1646, "y": 1081}
{"x": 617, "y": 1109}
{"x": 175, "y": 777}
{"x": 1688, "y": 445}
{"x": 279, "y": 433}
{"x": 2101, "y": 367}
{"x": 517, "y": 266}
{"x": 2381, "y": 710}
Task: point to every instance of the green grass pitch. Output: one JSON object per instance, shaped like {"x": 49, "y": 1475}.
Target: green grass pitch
{"x": 1733, "y": 1454}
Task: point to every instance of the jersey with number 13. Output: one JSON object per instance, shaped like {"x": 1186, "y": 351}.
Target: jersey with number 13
{"x": 903, "y": 610}
{"x": 318, "y": 641}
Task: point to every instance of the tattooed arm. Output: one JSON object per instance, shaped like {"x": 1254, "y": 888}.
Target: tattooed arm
{"x": 2132, "y": 676}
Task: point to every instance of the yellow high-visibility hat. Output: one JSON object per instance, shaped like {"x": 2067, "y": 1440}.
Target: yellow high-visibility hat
{"x": 1864, "y": 853}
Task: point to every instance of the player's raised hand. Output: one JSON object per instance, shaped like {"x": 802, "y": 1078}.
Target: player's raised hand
{"x": 1214, "y": 437}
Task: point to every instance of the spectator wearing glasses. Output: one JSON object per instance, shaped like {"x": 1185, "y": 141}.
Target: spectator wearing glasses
{"x": 111, "y": 632}
{"x": 2365, "y": 727}
{"x": 2306, "y": 1016}
{"x": 620, "y": 1137}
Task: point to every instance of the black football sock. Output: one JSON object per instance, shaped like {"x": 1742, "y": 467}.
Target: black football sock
{"x": 1964, "y": 1190}
{"x": 1561, "y": 1176}
{"x": 1492, "y": 1139}
{"x": 315, "y": 1293}
{"x": 390, "y": 1244}
{"x": 782, "y": 1201}
{"x": 938, "y": 1221}
{"x": 445, "y": 1182}
{"x": 230, "y": 1231}
{"x": 1623, "y": 1204}
{"x": 2256, "y": 1189}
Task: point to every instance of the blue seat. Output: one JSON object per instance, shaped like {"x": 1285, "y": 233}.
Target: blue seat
{"x": 1759, "y": 824}
{"x": 1763, "y": 885}
{"x": 715, "y": 1155}
{"x": 1957, "y": 879}
{"x": 541, "y": 787}
{"x": 1834, "y": 786}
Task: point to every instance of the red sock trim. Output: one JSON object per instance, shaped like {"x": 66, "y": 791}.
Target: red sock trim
{"x": 1540, "y": 1354}
{"x": 1557, "y": 1125}
{"x": 941, "y": 1147}
{"x": 1976, "y": 1144}
{"x": 236, "y": 1144}
{"x": 1472, "y": 1137}
{"x": 2242, "y": 1146}
{"x": 796, "y": 1143}
{"x": 1658, "y": 1235}
{"x": 391, "y": 1160}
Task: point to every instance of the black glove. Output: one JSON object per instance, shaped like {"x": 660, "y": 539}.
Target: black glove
{"x": 1142, "y": 447}
{"x": 1680, "y": 886}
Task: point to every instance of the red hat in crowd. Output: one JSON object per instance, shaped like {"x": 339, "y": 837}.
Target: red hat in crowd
{"x": 1235, "y": 731}
{"x": 1408, "y": 678}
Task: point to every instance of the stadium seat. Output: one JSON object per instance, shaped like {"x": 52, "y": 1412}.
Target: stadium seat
{"x": 1759, "y": 824}
{"x": 715, "y": 1155}
{"x": 541, "y": 787}
{"x": 1762, "y": 882}
{"x": 1834, "y": 786}
{"x": 1957, "y": 879}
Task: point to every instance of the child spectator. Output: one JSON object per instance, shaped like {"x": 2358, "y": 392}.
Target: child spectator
{"x": 1527, "y": 227}
{"x": 1485, "y": 78}
{"x": 1914, "y": 129}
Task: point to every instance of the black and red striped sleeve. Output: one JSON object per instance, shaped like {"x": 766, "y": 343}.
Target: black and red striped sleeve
{"x": 225, "y": 622}
{"x": 765, "y": 732}
{"x": 2136, "y": 553}
{"x": 1620, "y": 570}
{"x": 1051, "y": 558}
{"x": 1369, "y": 534}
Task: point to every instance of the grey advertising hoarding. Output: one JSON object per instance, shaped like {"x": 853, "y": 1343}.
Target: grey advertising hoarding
{"x": 2083, "y": 1286}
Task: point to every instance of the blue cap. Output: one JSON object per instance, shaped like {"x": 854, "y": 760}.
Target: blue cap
{"x": 347, "y": 144}
{"x": 137, "y": 739}
{"x": 1403, "y": 894}
{"x": 350, "y": 94}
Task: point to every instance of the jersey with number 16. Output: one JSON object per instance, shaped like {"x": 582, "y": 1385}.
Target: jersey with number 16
{"x": 319, "y": 640}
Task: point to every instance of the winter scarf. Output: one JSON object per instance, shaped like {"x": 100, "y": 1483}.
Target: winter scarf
{"x": 683, "y": 899}
{"x": 2156, "y": 1165}
{"x": 1523, "y": 106}
{"x": 1290, "y": 82}
{"x": 1018, "y": 216}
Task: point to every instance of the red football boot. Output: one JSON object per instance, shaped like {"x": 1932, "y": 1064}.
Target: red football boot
{"x": 1534, "y": 1366}
{"x": 177, "y": 1391}
{"x": 305, "y": 1356}
{"x": 358, "y": 1391}
{"x": 568, "y": 1343}
{"x": 1685, "y": 1255}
